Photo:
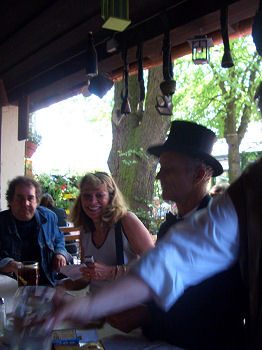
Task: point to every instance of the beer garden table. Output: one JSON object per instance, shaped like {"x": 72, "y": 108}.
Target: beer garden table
{"x": 111, "y": 338}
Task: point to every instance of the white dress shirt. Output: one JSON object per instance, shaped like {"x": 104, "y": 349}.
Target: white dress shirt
{"x": 193, "y": 250}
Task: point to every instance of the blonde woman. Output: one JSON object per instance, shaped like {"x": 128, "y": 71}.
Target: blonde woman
{"x": 111, "y": 234}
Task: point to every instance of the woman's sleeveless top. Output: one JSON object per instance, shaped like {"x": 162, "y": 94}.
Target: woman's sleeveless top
{"x": 106, "y": 254}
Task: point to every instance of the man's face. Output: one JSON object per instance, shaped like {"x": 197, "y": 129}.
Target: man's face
{"x": 176, "y": 176}
{"x": 24, "y": 204}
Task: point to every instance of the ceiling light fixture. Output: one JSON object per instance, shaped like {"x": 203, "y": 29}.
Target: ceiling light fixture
{"x": 100, "y": 85}
{"x": 111, "y": 45}
{"x": 116, "y": 14}
{"x": 200, "y": 48}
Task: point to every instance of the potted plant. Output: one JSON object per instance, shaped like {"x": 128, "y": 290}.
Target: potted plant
{"x": 33, "y": 141}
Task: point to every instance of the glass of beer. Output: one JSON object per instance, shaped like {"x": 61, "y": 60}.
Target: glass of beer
{"x": 28, "y": 273}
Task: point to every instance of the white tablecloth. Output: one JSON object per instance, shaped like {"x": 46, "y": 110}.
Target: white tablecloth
{"x": 8, "y": 288}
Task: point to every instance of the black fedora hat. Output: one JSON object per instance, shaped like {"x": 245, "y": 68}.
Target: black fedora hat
{"x": 192, "y": 139}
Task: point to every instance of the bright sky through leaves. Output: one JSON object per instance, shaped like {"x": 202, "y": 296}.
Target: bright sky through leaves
{"x": 76, "y": 135}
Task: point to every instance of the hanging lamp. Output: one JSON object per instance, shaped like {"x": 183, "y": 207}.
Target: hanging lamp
{"x": 200, "y": 46}
{"x": 116, "y": 14}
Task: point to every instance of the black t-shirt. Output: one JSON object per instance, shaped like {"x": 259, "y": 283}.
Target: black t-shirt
{"x": 30, "y": 249}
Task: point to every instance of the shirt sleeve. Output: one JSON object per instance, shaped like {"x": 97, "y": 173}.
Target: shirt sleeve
{"x": 192, "y": 250}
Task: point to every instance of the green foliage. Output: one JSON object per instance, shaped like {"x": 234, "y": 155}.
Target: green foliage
{"x": 155, "y": 215}
{"x": 219, "y": 98}
{"x": 63, "y": 189}
{"x": 33, "y": 135}
{"x": 132, "y": 155}
{"x": 205, "y": 92}
{"x": 249, "y": 157}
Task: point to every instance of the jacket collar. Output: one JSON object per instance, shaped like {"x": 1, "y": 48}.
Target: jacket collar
{"x": 39, "y": 216}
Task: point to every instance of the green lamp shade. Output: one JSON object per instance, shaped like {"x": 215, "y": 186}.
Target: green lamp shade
{"x": 116, "y": 14}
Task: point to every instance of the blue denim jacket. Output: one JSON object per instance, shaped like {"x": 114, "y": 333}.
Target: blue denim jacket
{"x": 50, "y": 239}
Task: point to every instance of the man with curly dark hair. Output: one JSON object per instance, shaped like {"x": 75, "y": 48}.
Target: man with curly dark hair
{"x": 30, "y": 233}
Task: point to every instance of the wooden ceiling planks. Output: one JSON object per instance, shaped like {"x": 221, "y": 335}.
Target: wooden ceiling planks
{"x": 44, "y": 42}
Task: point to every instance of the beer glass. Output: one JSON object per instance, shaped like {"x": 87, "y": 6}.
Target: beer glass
{"x": 31, "y": 306}
{"x": 28, "y": 273}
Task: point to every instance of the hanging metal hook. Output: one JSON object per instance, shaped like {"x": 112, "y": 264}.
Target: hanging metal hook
{"x": 167, "y": 61}
{"x": 227, "y": 60}
{"x": 164, "y": 104}
{"x": 125, "y": 106}
{"x": 140, "y": 77}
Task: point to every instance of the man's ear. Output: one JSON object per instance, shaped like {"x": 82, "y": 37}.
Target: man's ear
{"x": 199, "y": 175}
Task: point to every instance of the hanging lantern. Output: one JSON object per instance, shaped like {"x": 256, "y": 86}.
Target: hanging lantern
{"x": 200, "y": 49}
{"x": 116, "y": 14}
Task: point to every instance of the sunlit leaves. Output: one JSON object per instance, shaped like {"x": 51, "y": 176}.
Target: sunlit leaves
{"x": 209, "y": 93}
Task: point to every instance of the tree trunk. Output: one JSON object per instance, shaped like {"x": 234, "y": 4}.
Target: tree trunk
{"x": 130, "y": 165}
{"x": 233, "y": 157}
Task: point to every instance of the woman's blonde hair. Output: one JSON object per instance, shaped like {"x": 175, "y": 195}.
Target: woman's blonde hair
{"x": 116, "y": 207}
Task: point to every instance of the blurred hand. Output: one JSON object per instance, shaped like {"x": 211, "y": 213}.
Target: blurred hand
{"x": 98, "y": 271}
{"x": 58, "y": 261}
{"x": 68, "y": 308}
{"x": 12, "y": 266}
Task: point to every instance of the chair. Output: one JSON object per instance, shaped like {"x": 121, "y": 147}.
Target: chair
{"x": 72, "y": 245}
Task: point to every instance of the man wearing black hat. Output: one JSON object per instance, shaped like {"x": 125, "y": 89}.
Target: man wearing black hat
{"x": 207, "y": 315}
{"x": 186, "y": 168}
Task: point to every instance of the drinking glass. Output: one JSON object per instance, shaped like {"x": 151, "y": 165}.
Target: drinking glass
{"x": 32, "y": 304}
{"x": 28, "y": 273}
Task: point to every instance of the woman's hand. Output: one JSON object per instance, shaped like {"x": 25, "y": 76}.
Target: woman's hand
{"x": 98, "y": 271}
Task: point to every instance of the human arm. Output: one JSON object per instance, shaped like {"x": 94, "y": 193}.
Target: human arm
{"x": 120, "y": 295}
{"x": 11, "y": 266}
{"x": 140, "y": 241}
{"x": 205, "y": 244}
{"x": 193, "y": 250}
{"x": 138, "y": 236}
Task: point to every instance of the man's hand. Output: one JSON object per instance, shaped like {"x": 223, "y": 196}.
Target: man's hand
{"x": 58, "y": 261}
{"x": 68, "y": 308}
{"x": 12, "y": 266}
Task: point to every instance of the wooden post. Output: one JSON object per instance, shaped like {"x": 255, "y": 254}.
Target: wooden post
{"x": 23, "y": 118}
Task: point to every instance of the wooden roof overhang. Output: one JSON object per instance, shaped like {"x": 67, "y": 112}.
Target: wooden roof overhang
{"x": 43, "y": 43}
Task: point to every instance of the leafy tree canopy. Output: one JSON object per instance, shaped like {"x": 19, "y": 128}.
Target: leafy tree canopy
{"x": 204, "y": 91}
{"x": 221, "y": 98}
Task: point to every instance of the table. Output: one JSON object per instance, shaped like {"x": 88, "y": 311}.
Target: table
{"x": 8, "y": 288}
{"x": 111, "y": 338}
